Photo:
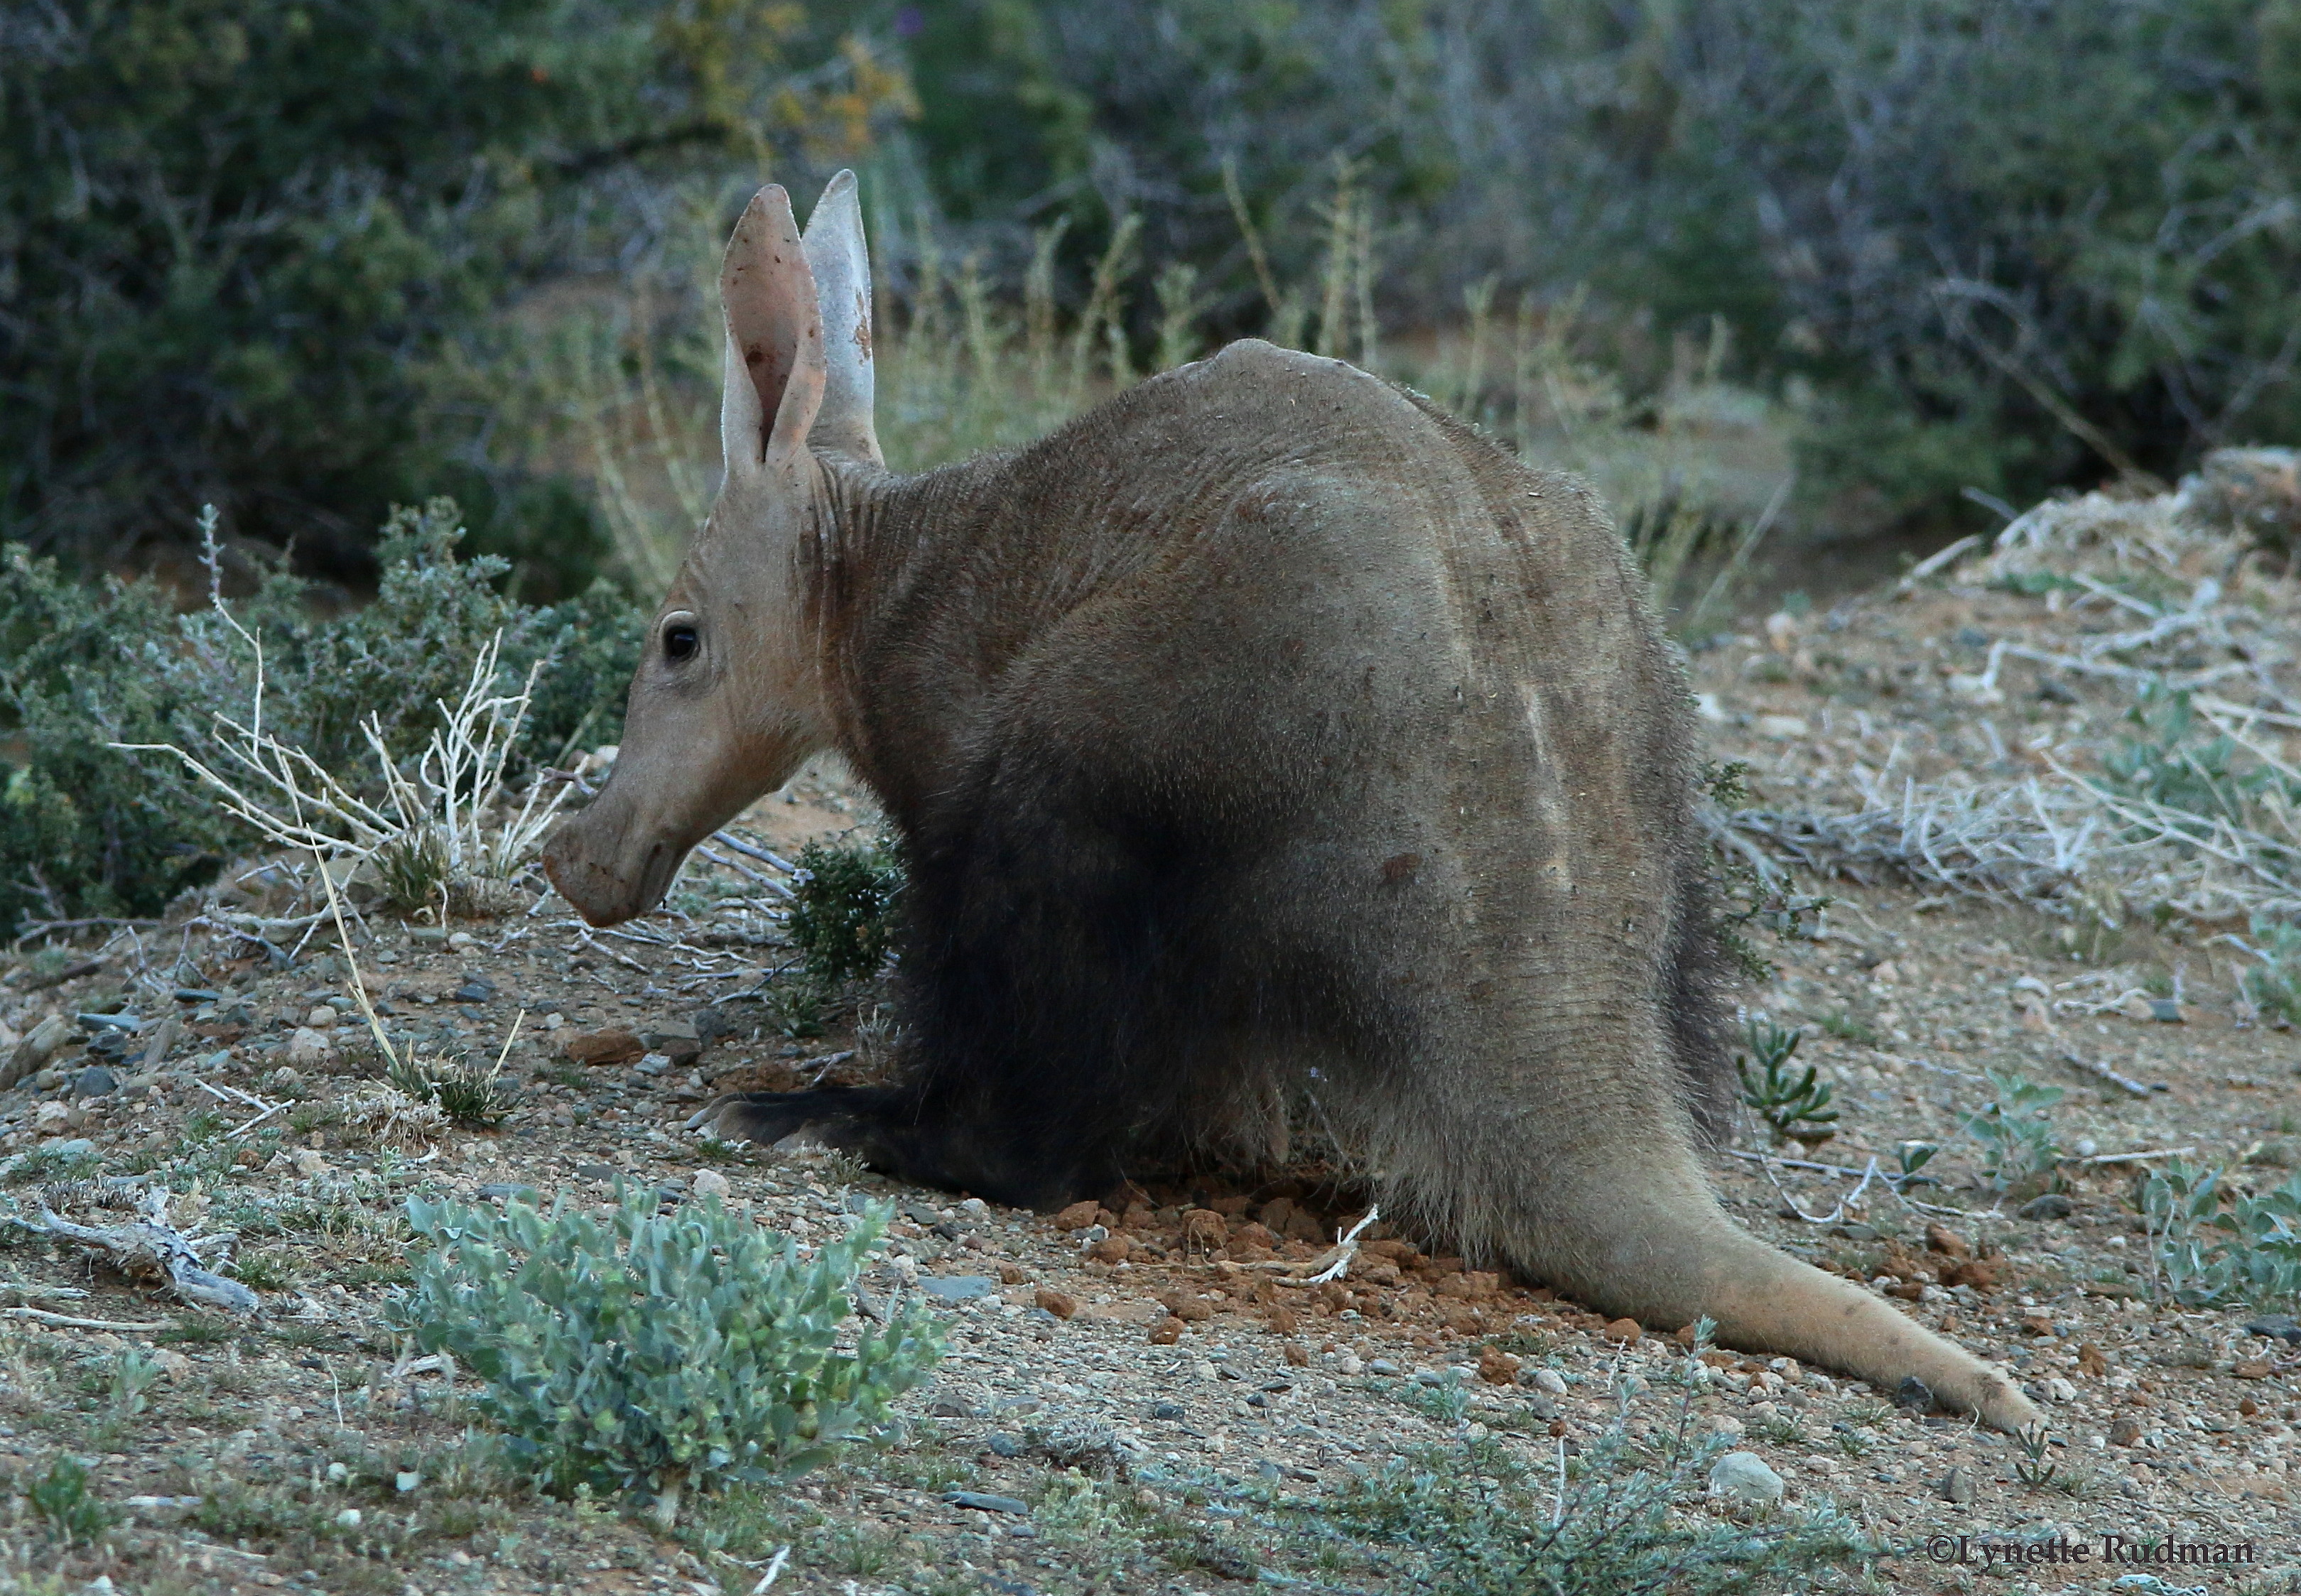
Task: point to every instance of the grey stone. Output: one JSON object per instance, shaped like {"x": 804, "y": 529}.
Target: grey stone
{"x": 984, "y": 1503}
{"x": 40, "y": 1044}
{"x": 1539, "y": 1405}
{"x": 1957, "y": 1487}
{"x": 958, "y": 1288}
{"x": 1165, "y": 1410}
{"x": 1382, "y": 1366}
{"x": 2277, "y": 1326}
{"x": 677, "y": 1039}
{"x": 2052, "y": 1206}
{"x": 1005, "y": 1446}
{"x": 1745, "y": 1477}
{"x": 475, "y": 990}
{"x": 1913, "y": 1392}
{"x": 505, "y": 1191}
{"x": 95, "y": 1082}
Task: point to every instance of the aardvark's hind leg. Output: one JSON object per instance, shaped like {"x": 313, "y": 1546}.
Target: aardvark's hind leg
{"x": 895, "y": 1132}
{"x": 767, "y": 1118}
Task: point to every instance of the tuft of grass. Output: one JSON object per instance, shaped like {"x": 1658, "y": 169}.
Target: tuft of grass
{"x": 2273, "y": 986}
{"x": 1795, "y": 1106}
{"x": 43, "y": 1165}
{"x": 269, "y": 1271}
{"x": 1845, "y": 1028}
{"x": 794, "y": 1009}
{"x": 2034, "y": 1467}
{"x": 471, "y": 1095}
{"x": 61, "y": 1496}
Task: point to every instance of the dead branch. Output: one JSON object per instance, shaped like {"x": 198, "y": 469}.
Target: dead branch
{"x": 150, "y": 1247}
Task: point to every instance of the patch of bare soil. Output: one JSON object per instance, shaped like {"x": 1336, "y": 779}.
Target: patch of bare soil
{"x": 1132, "y": 1400}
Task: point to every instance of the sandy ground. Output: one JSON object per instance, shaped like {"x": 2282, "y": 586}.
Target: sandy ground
{"x": 1128, "y": 1374}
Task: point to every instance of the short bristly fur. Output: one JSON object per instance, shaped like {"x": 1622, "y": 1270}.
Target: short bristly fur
{"x": 1262, "y": 737}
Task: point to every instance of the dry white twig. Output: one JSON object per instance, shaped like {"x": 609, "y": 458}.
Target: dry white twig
{"x": 1330, "y": 1265}
{"x": 151, "y": 1246}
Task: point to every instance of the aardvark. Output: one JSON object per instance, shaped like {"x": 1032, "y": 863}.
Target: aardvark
{"x": 1264, "y": 746}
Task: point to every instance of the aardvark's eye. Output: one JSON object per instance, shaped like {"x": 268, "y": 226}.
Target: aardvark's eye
{"x": 679, "y": 641}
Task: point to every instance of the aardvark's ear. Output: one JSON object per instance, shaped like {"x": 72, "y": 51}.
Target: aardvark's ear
{"x": 841, "y": 266}
{"x": 773, "y": 381}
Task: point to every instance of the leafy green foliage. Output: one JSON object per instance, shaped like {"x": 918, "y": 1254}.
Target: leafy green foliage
{"x": 278, "y": 253}
{"x": 2016, "y": 1132}
{"x": 2216, "y": 1241}
{"x": 86, "y": 830}
{"x": 1749, "y": 896}
{"x": 2172, "y": 760}
{"x": 842, "y": 916}
{"x": 653, "y": 1351}
{"x": 1473, "y": 1519}
{"x": 2273, "y": 985}
{"x": 1796, "y": 1104}
{"x": 59, "y": 1495}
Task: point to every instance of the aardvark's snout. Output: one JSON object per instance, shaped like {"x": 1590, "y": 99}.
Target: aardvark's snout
{"x": 609, "y": 868}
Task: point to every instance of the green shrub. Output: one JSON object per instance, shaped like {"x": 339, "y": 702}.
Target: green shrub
{"x": 86, "y": 830}
{"x": 842, "y": 916}
{"x": 2019, "y": 1153}
{"x": 2216, "y": 1242}
{"x": 1476, "y": 1519}
{"x": 657, "y": 1351}
{"x": 273, "y": 245}
{"x": 2273, "y": 985}
{"x": 59, "y": 1495}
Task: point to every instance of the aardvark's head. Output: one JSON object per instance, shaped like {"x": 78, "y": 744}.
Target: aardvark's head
{"x": 728, "y": 698}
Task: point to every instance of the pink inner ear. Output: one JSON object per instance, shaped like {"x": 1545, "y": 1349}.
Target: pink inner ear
{"x": 772, "y": 350}
{"x": 770, "y": 375}
{"x": 770, "y": 302}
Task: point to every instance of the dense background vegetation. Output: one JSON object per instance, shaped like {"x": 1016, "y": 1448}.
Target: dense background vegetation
{"x": 1843, "y": 272}
{"x": 307, "y": 259}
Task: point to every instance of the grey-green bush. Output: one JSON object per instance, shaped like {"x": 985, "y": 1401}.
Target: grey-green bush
{"x": 2216, "y": 1242}
{"x": 85, "y": 829}
{"x": 658, "y": 1352}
